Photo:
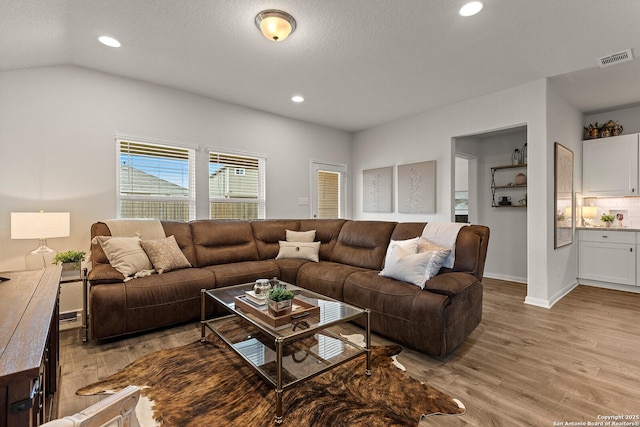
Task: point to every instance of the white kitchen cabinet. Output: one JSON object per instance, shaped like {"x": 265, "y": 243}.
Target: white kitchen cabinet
{"x": 608, "y": 256}
{"x": 610, "y": 166}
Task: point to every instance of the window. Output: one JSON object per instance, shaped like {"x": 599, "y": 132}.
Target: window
{"x": 156, "y": 181}
{"x": 236, "y": 186}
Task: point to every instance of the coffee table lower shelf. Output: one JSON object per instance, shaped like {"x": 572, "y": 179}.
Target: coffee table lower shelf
{"x": 286, "y": 357}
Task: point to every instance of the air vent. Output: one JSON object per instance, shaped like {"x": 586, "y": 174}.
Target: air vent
{"x": 615, "y": 58}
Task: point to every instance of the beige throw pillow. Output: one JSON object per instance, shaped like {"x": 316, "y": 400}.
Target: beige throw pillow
{"x": 124, "y": 254}
{"x": 165, "y": 254}
{"x": 301, "y": 236}
{"x": 299, "y": 250}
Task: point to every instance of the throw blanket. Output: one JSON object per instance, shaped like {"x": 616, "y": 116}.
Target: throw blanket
{"x": 146, "y": 229}
{"x": 444, "y": 234}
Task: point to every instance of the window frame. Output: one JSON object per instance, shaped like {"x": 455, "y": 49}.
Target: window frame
{"x": 260, "y": 200}
{"x": 191, "y": 165}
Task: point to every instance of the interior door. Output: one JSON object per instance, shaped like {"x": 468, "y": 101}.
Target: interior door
{"x": 328, "y": 190}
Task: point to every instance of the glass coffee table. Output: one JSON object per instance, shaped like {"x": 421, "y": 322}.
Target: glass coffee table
{"x": 287, "y": 354}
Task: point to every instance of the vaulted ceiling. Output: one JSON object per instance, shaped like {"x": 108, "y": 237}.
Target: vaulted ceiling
{"x": 358, "y": 63}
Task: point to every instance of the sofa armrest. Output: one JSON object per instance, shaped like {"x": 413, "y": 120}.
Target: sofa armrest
{"x": 450, "y": 284}
{"x": 104, "y": 273}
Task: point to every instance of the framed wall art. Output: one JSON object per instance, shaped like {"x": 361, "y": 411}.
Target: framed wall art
{"x": 564, "y": 209}
{"x": 377, "y": 191}
{"x": 417, "y": 187}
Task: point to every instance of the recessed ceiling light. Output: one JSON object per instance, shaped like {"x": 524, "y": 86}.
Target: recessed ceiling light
{"x": 109, "y": 41}
{"x": 471, "y": 8}
{"x": 297, "y": 98}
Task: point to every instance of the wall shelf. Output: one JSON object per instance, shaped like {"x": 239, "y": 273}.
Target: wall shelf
{"x": 495, "y": 187}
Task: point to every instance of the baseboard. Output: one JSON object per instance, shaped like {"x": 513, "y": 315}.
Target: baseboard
{"x": 506, "y": 277}
{"x": 548, "y": 303}
{"x": 612, "y": 286}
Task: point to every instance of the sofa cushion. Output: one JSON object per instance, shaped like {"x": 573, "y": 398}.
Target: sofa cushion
{"x": 147, "y": 302}
{"x": 222, "y": 242}
{"x": 289, "y": 269}
{"x": 243, "y": 272}
{"x": 399, "y": 310}
{"x": 407, "y": 230}
{"x": 325, "y": 277}
{"x": 363, "y": 243}
{"x": 165, "y": 254}
{"x": 299, "y": 250}
{"x": 182, "y": 233}
{"x": 327, "y": 232}
{"x": 267, "y": 234}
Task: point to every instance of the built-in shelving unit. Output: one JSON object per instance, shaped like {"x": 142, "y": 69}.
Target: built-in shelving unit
{"x": 505, "y": 188}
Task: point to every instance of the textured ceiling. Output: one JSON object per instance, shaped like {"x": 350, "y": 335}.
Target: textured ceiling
{"x": 358, "y": 63}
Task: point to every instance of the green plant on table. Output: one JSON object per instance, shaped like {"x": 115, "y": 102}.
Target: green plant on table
{"x": 279, "y": 293}
{"x": 607, "y": 218}
{"x": 68, "y": 256}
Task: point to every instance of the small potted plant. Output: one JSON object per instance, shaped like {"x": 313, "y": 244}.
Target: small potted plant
{"x": 279, "y": 301}
{"x": 607, "y": 219}
{"x": 70, "y": 260}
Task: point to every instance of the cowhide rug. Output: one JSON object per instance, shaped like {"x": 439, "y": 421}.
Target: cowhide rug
{"x": 208, "y": 385}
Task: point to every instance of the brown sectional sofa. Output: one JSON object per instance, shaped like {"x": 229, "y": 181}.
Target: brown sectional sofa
{"x": 434, "y": 320}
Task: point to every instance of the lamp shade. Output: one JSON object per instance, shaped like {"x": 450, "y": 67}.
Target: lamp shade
{"x": 275, "y": 25}
{"x": 40, "y": 225}
{"x": 589, "y": 211}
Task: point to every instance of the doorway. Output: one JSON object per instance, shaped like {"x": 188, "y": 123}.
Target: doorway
{"x": 328, "y": 190}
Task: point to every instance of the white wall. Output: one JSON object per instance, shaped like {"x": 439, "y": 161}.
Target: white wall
{"x": 57, "y": 128}
{"x": 428, "y": 136}
{"x": 507, "y": 261}
{"x": 462, "y": 174}
{"x": 564, "y": 125}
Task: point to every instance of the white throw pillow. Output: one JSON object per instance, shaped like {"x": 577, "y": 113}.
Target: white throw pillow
{"x": 125, "y": 254}
{"x": 299, "y": 250}
{"x": 401, "y": 263}
{"x": 165, "y": 254}
{"x": 301, "y": 236}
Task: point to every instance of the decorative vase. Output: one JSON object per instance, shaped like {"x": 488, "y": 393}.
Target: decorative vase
{"x": 261, "y": 288}
{"x": 279, "y": 308}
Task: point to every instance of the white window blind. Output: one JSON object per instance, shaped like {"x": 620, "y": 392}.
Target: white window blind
{"x": 156, "y": 181}
{"x": 328, "y": 194}
{"x": 236, "y": 186}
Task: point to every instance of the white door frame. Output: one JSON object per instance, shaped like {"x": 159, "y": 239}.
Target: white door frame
{"x": 319, "y": 165}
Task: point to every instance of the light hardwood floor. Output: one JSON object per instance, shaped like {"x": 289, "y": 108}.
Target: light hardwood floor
{"x": 523, "y": 366}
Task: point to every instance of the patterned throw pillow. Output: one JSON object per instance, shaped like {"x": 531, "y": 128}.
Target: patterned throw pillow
{"x": 165, "y": 254}
{"x": 440, "y": 254}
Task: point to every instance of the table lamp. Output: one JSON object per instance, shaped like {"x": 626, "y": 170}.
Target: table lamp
{"x": 42, "y": 226}
{"x": 588, "y": 213}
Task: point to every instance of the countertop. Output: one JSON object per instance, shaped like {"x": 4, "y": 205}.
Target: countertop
{"x": 609, "y": 228}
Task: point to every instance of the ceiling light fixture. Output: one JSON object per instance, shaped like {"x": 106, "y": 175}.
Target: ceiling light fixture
{"x": 471, "y": 8}
{"x": 297, "y": 98}
{"x": 276, "y": 25}
{"x": 109, "y": 41}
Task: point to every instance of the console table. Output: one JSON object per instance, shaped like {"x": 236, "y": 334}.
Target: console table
{"x": 29, "y": 346}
